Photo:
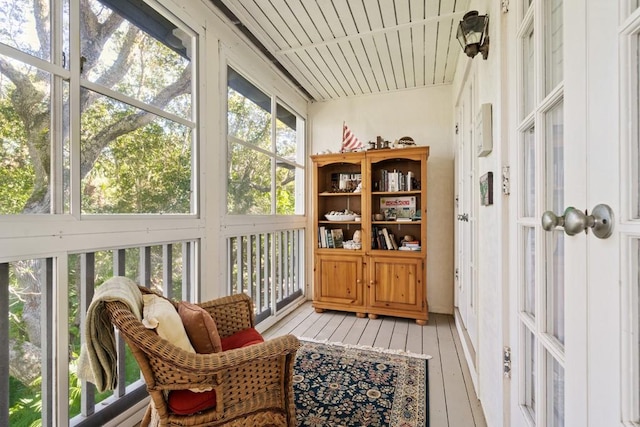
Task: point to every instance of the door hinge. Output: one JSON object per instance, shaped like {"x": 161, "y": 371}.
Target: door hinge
{"x": 505, "y": 6}
{"x": 506, "y": 181}
{"x": 457, "y": 273}
{"x": 506, "y": 362}
{"x": 456, "y": 128}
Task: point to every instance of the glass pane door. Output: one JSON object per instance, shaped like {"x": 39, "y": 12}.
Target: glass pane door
{"x": 541, "y": 177}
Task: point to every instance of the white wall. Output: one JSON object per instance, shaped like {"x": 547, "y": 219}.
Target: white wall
{"x": 427, "y": 116}
{"x": 492, "y": 221}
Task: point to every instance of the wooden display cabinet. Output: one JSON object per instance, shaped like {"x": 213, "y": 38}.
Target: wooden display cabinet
{"x": 386, "y": 275}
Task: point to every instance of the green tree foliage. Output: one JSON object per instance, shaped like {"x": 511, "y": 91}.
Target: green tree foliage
{"x": 249, "y": 174}
{"x": 250, "y": 178}
{"x": 15, "y": 166}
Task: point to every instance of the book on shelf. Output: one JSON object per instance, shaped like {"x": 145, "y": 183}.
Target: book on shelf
{"x": 323, "y": 237}
{"x": 393, "y": 241}
{"x": 382, "y": 243}
{"x": 387, "y": 239}
{"x": 394, "y": 183}
{"x": 374, "y": 238}
{"x": 329, "y": 239}
{"x": 337, "y": 237}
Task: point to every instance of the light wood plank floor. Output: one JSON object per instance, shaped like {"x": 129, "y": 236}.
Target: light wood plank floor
{"x": 452, "y": 399}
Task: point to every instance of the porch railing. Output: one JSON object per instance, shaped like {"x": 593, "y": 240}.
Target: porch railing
{"x": 268, "y": 266}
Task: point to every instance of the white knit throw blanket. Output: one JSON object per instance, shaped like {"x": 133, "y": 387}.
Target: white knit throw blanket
{"x": 97, "y": 362}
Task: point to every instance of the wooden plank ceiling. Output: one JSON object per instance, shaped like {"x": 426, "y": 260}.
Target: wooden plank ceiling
{"x": 341, "y": 48}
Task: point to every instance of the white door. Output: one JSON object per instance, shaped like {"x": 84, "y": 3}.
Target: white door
{"x": 629, "y": 230}
{"x": 466, "y": 292}
{"x": 574, "y": 309}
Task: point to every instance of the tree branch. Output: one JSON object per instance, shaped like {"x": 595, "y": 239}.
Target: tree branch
{"x": 94, "y": 35}
{"x": 118, "y": 69}
{"x": 43, "y": 27}
{"x": 121, "y": 65}
{"x": 94, "y": 146}
{"x": 32, "y": 107}
{"x": 25, "y": 361}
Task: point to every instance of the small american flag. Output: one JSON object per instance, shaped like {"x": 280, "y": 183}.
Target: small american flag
{"x": 349, "y": 140}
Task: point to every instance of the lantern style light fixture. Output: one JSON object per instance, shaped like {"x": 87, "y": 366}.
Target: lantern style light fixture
{"x": 473, "y": 34}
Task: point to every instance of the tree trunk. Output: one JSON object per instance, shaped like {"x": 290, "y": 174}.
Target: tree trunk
{"x": 25, "y": 361}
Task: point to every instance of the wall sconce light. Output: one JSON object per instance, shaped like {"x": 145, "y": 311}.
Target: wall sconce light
{"x": 473, "y": 34}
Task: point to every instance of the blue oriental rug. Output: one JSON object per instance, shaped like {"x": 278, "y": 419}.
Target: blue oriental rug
{"x": 340, "y": 385}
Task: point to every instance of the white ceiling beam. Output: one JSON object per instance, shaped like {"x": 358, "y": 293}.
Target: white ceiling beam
{"x": 423, "y": 22}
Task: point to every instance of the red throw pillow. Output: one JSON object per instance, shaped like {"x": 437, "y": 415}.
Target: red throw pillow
{"x": 241, "y": 339}
{"x": 201, "y": 328}
{"x": 187, "y": 402}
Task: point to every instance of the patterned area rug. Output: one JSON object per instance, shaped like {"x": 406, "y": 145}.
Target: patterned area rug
{"x": 340, "y": 385}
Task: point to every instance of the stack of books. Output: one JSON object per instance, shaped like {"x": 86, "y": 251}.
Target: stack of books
{"x": 330, "y": 238}
{"x": 410, "y": 246}
{"x": 395, "y": 180}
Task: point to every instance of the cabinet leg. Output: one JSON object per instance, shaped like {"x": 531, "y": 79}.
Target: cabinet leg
{"x": 421, "y": 322}
{"x": 319, "y": 310}
{"x": 361, "y": 315}
{"x": 373, "y": 316}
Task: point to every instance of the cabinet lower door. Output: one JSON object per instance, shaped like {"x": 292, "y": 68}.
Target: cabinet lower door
{"x": 396, "y": 286}
{"x": 339, "y": 281}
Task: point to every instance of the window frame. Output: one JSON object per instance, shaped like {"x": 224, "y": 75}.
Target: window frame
{"x": 300, "y": 164}
{"x": 56, "y": 235}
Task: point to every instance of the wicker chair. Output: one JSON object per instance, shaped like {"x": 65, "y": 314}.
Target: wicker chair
{"x": 253, "y": 384}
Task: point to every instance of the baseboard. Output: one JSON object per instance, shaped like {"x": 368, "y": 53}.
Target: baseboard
{"x": 469, "y": 351}
{"x": 440, "y": 309}
{"x": 130, "y": 417}
{"x": 271, "y": 321}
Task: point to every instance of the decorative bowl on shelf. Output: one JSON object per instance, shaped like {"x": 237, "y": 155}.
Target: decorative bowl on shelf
{"x": 350, "y": 244}
{"x": 340, "y": 217}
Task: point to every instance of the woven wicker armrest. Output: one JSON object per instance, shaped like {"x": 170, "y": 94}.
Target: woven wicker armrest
{"x": 209, "y": 364}
{"x": 183, "y": 370}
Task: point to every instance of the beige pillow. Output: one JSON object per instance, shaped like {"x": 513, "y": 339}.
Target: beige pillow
{"x": 161, "y": 315}
{"x": 201, "y": 328}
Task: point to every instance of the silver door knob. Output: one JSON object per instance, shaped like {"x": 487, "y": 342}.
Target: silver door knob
{"x": 575, "y": 221}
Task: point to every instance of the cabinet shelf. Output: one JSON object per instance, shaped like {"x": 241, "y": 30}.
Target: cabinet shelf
{"x": 397, "y": 253}
{"x": 327, "y": 222}
{"x": 395, "y": 193}
{"x": 395, "y": 222}
{"x": 331, "y": 194}
{"x": 339, "y": 250}
{"x": 372, "y": 280}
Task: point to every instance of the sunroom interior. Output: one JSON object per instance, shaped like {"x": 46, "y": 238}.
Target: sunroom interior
{"x": 170, "y": 142}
